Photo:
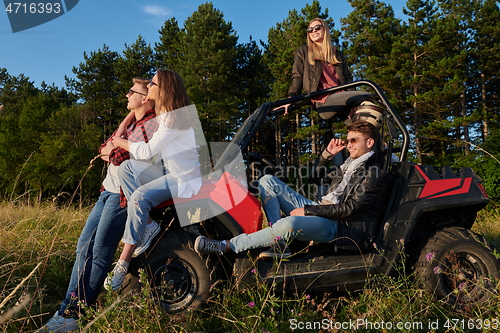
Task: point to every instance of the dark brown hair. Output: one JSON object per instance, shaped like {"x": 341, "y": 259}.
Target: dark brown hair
{"x": 365, "y": 128}
{"x": 173, "y": 97}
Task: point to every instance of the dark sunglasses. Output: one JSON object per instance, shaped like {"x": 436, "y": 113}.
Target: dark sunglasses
{"x": 130, "y": 91}
{"x": 151, "y": 83}
{"x": 352, "y": 140}
{"x": 315, "y": 28}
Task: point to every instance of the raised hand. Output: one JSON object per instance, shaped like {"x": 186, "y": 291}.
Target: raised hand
{"x": 335, "y": 146}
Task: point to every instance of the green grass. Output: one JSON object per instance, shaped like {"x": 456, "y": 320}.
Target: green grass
{"x": 37, "y": 251}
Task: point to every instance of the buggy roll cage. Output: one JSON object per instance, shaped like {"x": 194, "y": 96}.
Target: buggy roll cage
{"x": 245, "y": 134}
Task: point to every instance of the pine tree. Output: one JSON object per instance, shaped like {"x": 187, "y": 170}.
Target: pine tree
{"x": 137, "y": 61}
{"x": 254, "y": 82}
{"x": 441, "y": 103}
{"x": 166, "y": 52}
{"x": 15, "y": 93}
{"x": 414, "y": 49}
{"x": 97, "y": 85}
{"x": 459, "y": 17}
{"x": 369, "y": 32}
{"x": 24, "y": 122}
{"x": 485, "y": 54}
{"x": 483, "y": 94}
{"x": 67, "y": 149}
{"x": 208, "y": 66}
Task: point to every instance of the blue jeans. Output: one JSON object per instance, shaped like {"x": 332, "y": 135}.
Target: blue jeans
{"x": 276, "y": 196}
{"x": 95, "y": 250}
{"x": 143, "y": 198}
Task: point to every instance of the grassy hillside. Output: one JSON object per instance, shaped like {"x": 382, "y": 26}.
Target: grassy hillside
{"x": 37, "y": 246}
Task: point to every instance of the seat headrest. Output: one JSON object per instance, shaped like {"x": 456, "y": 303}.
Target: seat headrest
{"x": 369, "y": 112}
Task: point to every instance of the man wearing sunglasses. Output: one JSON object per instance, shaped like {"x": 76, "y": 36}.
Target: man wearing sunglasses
{"x": 104, "y": 228}
{"x": 348, "y": 213}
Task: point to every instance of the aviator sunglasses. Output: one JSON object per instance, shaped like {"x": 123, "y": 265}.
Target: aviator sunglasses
{"x": 315, "y": 28}
{"x": 352, "y": 140}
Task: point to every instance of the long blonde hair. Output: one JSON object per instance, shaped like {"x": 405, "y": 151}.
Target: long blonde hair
{"x": 325, "y": 52}
{"x": 173, "y": 97}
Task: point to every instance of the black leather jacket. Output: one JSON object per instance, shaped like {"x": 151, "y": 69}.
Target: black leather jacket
{"x": 306, "y": 76}
{"x": 360, "y": 205}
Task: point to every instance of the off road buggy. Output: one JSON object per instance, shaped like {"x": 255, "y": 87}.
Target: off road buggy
{"x": 428, "y": 216}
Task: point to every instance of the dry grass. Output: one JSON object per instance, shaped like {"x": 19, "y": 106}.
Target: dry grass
{"x": 42, "y": 237}
{"x": 37, "y": 251}
{"x": 488, "y": 225}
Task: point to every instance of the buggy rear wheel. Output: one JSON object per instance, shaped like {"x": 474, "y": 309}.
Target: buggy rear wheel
{"x": 457, "y": 265}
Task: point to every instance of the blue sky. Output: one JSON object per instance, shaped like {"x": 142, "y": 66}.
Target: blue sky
{"x": 49, "y": 52}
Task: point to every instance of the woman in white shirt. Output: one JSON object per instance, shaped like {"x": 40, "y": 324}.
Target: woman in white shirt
{"x": 174, "y": 173}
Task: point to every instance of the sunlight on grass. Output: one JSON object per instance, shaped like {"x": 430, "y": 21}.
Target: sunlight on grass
{"x": 32, "y": 236}
{"x": 37, "y": 251}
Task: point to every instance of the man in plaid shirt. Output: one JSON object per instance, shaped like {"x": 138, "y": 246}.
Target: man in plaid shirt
{"x": 104, "y": 227}
{"x": 140, "y": 129}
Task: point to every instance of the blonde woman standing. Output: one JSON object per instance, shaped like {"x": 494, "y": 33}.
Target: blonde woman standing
{"x": 320, "y": 65}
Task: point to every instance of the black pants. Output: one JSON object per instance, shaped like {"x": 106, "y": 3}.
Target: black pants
{"x": 339, "y": 104}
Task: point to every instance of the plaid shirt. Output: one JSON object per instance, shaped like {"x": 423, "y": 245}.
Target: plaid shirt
{"x": 138, "y": 130}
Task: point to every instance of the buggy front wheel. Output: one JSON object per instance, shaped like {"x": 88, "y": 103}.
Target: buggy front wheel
{"x": 179, "y": 277}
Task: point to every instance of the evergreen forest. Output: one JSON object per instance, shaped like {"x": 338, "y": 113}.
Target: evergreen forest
{"x": 439, "y": 67}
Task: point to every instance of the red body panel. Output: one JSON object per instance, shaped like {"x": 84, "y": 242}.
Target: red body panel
{"x": 233, "y": 197}
{"x": 449, "y": 186}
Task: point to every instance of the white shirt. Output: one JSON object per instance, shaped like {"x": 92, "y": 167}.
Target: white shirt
{"x": 111, "y": 182}
{"x": 178, "y": 151}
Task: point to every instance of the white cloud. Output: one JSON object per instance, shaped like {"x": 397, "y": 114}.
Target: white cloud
{"x": 157, "y": 10}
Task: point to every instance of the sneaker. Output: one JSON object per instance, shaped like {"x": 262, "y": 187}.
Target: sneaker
{"x": 151, "y": 231}
{"x": 115, "y": 278}
{"x": 204, "y": 245}
{"x": 277, "y": 251}
{"x": 59, "y": 323}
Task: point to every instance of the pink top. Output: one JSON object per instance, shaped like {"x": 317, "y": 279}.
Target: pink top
{"x": 329, "y": 78}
